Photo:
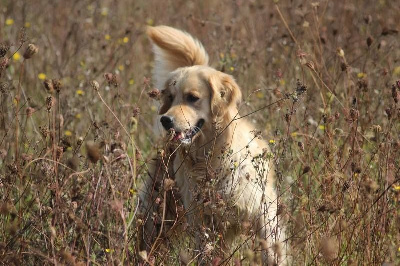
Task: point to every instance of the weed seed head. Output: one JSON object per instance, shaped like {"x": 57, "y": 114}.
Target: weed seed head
{"x": 3, "y": 64}
{"x": 154, "y": 94}
{"x": 57, "y": 85}
{"x": 168, "y": 184}
{"x": 112, "y": 79}
{"x": 301, "y": 88}
{"x": 49, "y": 103}
{"x": 22, "y": 35}
{"x": 95, "y": 85}
{"x": 4, "y": 49}
{"x": 30, "y": 51}
{"x": 3, "y": 87}
{"x": 93, "y": 151}
{"x": 136, "y": 111}
{"x": 29, "y": 111}
{"x": 48, "y": 85}
{"x": 354, "y": 113}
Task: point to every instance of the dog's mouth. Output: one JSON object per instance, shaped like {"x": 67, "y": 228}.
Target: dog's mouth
{"x": 187, "y": 136}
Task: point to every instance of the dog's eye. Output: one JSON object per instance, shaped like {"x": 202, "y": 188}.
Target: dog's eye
{"x": 192, "y": 98}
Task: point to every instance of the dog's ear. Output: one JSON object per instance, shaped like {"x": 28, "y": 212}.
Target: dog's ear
{"x": 166, "y": 101}
{"x": 225, "y": 94}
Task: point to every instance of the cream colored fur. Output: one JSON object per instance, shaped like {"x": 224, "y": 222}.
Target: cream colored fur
{"x": 225, "y": 146}
{"x": 173, "y": 49}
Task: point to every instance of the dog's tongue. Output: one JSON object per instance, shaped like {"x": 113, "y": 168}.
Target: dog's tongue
{"x": 179, "y": 136}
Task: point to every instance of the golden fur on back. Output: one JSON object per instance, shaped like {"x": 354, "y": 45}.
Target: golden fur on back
{"x": 222, "y": 168}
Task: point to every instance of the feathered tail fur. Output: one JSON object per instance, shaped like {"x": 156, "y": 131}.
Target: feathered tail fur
{"x": 173, "y": 49}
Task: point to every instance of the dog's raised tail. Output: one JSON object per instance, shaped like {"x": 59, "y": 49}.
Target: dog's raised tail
{"x": 173, "y": 49}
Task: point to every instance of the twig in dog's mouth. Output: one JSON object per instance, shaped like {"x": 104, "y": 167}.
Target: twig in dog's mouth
{"x": 187, "y": 136}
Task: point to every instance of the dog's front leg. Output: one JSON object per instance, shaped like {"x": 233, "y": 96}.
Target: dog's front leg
{"x": 158, "y": 205}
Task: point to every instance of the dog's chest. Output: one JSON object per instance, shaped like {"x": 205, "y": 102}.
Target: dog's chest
{"x": 227, "y": 183}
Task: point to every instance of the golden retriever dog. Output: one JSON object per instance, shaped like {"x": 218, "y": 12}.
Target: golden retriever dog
{"x": 219, "y": 165}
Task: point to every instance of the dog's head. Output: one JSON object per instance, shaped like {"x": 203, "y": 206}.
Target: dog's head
{"x": 195, "y": 99}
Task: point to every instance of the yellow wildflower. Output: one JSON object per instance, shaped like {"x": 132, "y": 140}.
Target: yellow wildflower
{"x": 67, "y": 133}
{"x": 121, "y": 67}
{"x": 80, "y": 92}
{"x": 271, "y": 141}
{"x": 232, "y": 68}
{"x": 17, "y": 56}
{"x": 131, "y": 81}
{"x": 125, "y": 39}
{"x": 361, "y": 75}
{"x": 396, "y": 71}
{"x": 260, "y": 95}
{"x": 396, "y": 187}
{"x": 9, "y": 21}
{"x": 42, "y": 76}
{"x": 150, "y": 22}
{"x": 322, "y": 127}
{"x": 27, "y": 25}
{"x": 107, "y": 37}
{"x": 104, "y": 11}
{"x": 78, "y": 116}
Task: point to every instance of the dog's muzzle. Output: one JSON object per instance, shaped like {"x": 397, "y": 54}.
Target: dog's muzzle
{"x": 185, "y": 136}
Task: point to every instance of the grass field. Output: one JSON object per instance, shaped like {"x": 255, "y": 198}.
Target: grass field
{"x": 73, "y": 152}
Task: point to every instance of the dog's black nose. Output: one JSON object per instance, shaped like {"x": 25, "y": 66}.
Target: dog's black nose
{"x": 167, "y": 122}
